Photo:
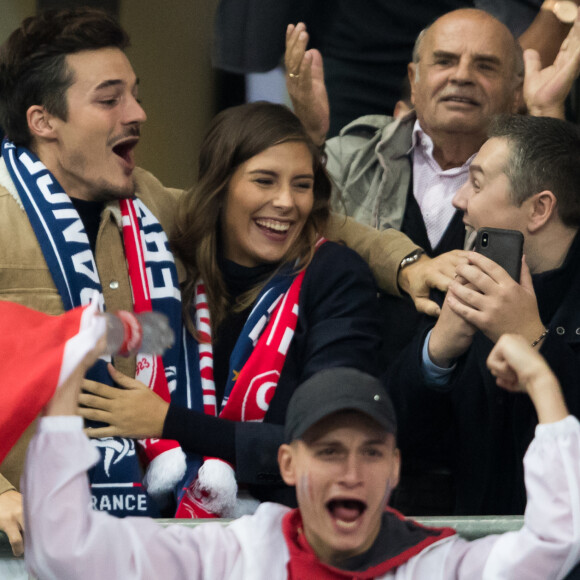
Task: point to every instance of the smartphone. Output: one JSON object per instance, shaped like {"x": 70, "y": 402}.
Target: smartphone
{"x": 504, "y": 247}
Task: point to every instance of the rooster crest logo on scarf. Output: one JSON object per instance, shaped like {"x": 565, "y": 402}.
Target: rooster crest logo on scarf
{"x": 114, "y": 447}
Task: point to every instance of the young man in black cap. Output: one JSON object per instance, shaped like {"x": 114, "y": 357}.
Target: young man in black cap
{"x": 341, "y": 455}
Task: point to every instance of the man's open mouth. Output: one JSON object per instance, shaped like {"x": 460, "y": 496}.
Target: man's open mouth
{"x": 124, "y": 149}
{"x": 346, "y": 512}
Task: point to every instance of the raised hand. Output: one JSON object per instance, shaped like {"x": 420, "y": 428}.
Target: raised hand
{"x": 518, "y": 367}
{"x": 305, "y": 83}
{"x": 546, "y": 89}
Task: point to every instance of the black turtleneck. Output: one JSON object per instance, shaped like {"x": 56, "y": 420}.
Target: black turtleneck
{"x": 238, "y": 279}
{"x": 201, "y": 433}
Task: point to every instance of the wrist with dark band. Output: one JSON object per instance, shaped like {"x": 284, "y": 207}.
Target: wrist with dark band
{"x": 540, "y": 338}
{"x": 411, "y": 258}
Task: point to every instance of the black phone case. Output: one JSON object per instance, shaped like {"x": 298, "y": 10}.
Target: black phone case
{"x": 504, "y": 247}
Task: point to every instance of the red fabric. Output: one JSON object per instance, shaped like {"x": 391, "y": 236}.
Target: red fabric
{"x": 31, "y": 350}
{"x": 254, "y": 388}
{"x": 305, "y": 565}
{"x": 203, "y": 326}
{"x": 155, "y": 377}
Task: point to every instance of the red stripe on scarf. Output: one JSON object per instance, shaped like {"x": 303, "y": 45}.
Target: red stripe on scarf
{"x": 258, "y": 379}
{"x": 203, "y": 325}
{"x": 142, "y": 303}
{"x": 254, "y": 388}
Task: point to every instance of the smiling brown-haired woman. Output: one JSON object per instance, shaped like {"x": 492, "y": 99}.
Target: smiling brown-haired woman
{"x": 237, "y": 135}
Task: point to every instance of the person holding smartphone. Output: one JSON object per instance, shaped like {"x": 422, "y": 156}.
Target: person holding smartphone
{"x": 526, "y": 177}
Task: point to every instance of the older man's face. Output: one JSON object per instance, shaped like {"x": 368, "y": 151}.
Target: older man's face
{"x": 465, "y": 75}
{"x": 344, "y": 469}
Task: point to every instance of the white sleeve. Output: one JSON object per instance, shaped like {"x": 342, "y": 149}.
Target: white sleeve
{"x": 548, "y": 544}
{"x": 66, "y": 539}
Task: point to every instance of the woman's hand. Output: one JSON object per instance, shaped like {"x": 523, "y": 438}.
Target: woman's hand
{"x": 133, "y": 410}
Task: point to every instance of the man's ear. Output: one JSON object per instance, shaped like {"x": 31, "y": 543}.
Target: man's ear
{"x": 518, "y": 104}
{"x": 39, "y": 122}
{"x": 542, "y": 207}
{"x": 286, "y": 464}
{"x": 401, "y": 109}
{"x": 412, "y": 72}
{"x": 396, "y": 468}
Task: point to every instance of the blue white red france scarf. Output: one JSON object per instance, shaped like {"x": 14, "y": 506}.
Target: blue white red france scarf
{"x": 116, "y": 480}
{"x": 209, "y": 489}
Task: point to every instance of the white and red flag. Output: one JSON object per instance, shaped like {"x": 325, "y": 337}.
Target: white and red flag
{"x": 38, "y": 352}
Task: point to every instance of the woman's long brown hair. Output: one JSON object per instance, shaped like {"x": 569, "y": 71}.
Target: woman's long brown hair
{"x": 235, "y": 136}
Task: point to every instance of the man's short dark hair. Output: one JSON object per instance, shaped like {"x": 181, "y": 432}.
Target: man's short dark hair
{"x": 544, "y": 155}
{"x": 32, "y": 62}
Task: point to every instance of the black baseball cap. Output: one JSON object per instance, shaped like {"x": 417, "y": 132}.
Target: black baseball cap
{"x": 338, "y": 389}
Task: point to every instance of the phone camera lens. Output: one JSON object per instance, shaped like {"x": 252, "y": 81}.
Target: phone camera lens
{"x": 484, "y": 240}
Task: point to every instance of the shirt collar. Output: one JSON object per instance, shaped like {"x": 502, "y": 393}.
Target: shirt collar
{"x": 420, "y": 140}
